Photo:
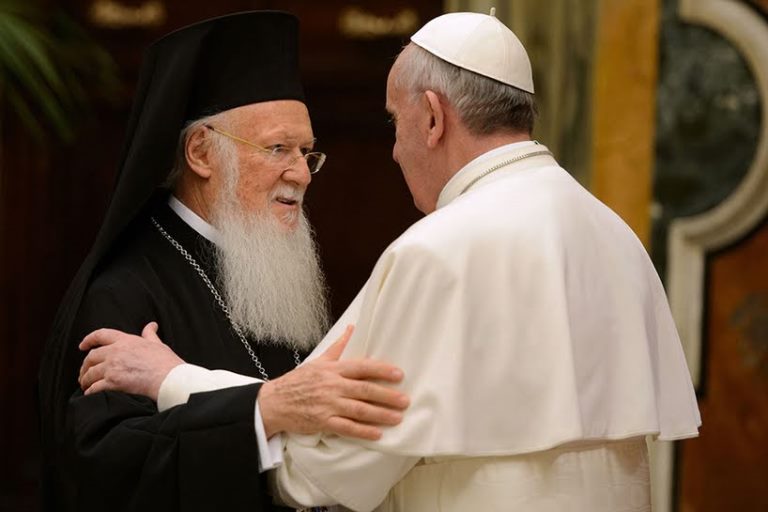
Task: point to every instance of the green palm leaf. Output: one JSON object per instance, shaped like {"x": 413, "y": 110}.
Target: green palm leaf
{"x": 44, "y": 61}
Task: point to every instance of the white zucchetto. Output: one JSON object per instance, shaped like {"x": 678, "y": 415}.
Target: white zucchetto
{"x": 479, "y": 43}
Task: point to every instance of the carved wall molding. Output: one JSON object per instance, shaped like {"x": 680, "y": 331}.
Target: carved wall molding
{"x": 113, "y": 14}
{"x": 691, "y": 238}
{"x": 357, "y": 23}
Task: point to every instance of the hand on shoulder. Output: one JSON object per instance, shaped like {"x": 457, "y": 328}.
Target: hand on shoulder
{"x": 349, "y": 398}
{"x": 118, "y": 361}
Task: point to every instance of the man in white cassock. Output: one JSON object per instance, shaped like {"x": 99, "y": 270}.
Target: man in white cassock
{"x": 534, "y": 333}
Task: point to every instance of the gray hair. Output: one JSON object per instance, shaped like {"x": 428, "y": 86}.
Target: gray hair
{"x": 484, "y": 105}
{"x": 221, "y": 145}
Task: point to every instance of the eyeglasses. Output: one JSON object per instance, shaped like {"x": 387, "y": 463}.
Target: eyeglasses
{"x": 280, "y": 154}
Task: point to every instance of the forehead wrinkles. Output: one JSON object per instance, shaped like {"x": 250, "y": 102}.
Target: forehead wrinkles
{"x": 288, "y": 120}
{"x": 296, "y": 133}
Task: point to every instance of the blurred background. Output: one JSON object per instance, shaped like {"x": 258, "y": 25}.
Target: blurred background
{"x": 656, "y": 106}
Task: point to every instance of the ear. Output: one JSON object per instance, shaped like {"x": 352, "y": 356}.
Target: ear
{"x": 197, "y": 151}
{"x": 436, "y": 119}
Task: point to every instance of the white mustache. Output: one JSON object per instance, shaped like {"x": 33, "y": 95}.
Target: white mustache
{"x": 288, "y": 193}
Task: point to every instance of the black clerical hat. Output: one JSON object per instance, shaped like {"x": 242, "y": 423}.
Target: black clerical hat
{"x": 246, "y": 58}
{"x": 202, "y": 69}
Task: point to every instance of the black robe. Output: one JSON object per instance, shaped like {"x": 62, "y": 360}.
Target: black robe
{"x": 123, "y": 454}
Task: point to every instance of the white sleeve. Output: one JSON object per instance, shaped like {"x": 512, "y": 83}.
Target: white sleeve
{"x": 326, "y": 470}
{"x": 270, "y": 450}
{"x": 187, "y": 379}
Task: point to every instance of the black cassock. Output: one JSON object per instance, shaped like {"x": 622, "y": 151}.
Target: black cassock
{"x": 199, "y": 456}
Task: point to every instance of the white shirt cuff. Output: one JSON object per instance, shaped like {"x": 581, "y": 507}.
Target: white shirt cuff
{"x": 186, "y": 379}
{"x": 270, "y": 450}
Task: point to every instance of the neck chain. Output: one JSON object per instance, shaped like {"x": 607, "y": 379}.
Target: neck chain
{"x": 503, "y": 164}
{"x": 219, "y": 300}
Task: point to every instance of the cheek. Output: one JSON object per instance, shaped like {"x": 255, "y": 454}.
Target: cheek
{"x": 254, "y": 193}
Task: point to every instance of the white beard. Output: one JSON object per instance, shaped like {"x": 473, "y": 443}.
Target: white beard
{"x": 270, "y": 276}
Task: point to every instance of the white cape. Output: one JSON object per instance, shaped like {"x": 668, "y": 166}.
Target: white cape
{"x": 525, "y": 314}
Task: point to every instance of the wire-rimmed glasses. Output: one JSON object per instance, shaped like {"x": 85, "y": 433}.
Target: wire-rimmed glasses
{"x": 281, "y": 154}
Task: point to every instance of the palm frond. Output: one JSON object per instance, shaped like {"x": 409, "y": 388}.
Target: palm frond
{"x": 47, "y": 63}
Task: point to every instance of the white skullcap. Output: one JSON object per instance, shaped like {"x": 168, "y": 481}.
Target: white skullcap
{"x": 478, "y": 43}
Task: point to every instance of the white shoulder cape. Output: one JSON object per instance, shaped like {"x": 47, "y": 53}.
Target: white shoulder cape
{"x": 525, "y": 314}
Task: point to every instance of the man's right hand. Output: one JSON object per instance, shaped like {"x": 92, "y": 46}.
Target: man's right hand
{"x": 328, "y": 395}
{"x": 119, "y": 361}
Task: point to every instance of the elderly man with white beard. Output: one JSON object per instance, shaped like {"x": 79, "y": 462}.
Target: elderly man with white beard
{"x": 223, "y": 259}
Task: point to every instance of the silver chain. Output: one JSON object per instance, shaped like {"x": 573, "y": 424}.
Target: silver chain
{"x": 219, "y": 300}
{"x": 503, "y": 164}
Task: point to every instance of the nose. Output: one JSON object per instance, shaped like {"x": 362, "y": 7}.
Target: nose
{"x": 298, "y": 172}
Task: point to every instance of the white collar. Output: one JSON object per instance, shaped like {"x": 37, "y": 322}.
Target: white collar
{"x": 193, "y": 220}
{"x": 497, "y": 151}
{"x": 475, "y": 169}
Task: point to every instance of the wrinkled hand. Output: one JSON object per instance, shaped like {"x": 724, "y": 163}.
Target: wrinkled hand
{"x": 123, "y": 362}
{"x": 328, "y": 395}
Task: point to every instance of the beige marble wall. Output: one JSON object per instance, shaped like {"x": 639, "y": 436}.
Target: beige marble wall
{"x": 624, "y": 99}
